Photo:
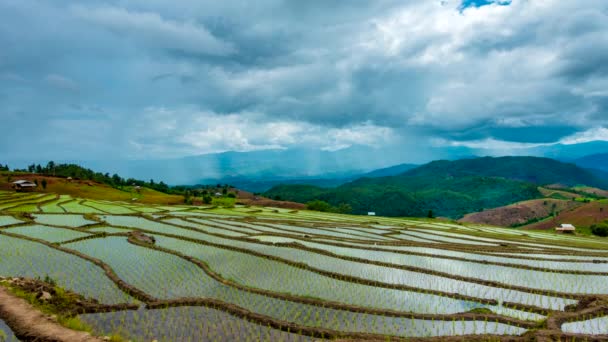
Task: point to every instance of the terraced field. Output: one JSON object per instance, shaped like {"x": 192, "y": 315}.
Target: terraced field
{"x": 226, "y": 274}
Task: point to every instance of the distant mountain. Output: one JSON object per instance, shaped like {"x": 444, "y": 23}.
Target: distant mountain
{"x": 448, "y": 188}
{"x": 597, "y": 161}
{"x": 255, "y": 165}
{"x": 256, "y": 184}
{"x": 572, "y": 151}
{"x": 390, "y": 171}
{"x": 535, "y": 170}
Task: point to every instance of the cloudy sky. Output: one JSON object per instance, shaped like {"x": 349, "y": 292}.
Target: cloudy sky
{"x": 156, "y": 78}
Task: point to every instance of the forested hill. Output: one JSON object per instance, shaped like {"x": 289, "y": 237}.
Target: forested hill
{"x": 535, "y": 170}
{"x": 447, "y": 188}
{"x": 595, "y": 161}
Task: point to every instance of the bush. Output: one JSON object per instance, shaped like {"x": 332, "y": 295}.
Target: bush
{"x": 318, "y": 205}
{"x": 344, "y": 208}
{"x": 600, "y": 229}
{"x": 225, "y": 202}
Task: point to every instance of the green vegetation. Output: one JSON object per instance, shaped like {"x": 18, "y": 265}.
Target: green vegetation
{"x": 238, "y": 272}
{"x": 415, "y": 196}
{"x": 600, "y": 229}
{"x": 322, "y": 206}
{"x": 61, "y": 304}
{"x": 447, "y": 188}
{"x": 80, "y": 173}
{"x": 225, "y": 202}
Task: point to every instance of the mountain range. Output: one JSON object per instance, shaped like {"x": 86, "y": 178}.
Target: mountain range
{"x": 260, "y": 170}
{"x": 598, "y": 161}
{"x": 448, "y": 188}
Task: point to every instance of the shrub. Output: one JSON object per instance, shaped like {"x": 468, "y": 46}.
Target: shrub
{"x": 600, "y": 229}
{"x": 318, "y": 205}
{"x": 225, "y": 202}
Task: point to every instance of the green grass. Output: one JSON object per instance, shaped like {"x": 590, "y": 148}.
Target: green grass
{"x": 61, "y": 303}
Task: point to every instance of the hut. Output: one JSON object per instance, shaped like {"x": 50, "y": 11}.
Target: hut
{"x": 23, "y": 185}
{"x": 565, "y": 228}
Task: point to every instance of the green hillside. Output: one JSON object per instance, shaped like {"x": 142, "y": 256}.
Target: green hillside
{"x": 536, "y": 170}
{"x": 448, "y": 188}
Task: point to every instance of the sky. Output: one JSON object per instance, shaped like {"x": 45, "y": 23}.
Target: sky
{"x": 154, "y": 79}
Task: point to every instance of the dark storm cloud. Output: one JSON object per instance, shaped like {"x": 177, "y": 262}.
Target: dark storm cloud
{"x": 154, "y": 77}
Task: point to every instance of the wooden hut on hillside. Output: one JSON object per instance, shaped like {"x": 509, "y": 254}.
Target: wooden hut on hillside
{"x": 23, "y": 185}
{"x": 565, "y": 228}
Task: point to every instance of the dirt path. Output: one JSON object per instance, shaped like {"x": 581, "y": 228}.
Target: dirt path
{"x": 29, "y": 324}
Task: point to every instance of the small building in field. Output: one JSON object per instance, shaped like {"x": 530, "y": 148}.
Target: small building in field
{"x": 371, "y": 213}
{"x": 218, "y": 194}
{"x": 565, "y": 228}
{"x": 23, "y": 185}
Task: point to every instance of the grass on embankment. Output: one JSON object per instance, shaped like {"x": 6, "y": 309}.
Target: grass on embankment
{"x": 89, "y": 189}
{"x": 61, "y": 307}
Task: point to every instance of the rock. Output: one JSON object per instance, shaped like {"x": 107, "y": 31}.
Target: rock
{"x": 44, "y": 296}
{"x": 141, "y": 237}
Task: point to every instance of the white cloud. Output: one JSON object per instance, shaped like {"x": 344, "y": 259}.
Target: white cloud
{"x": 593, "y": 134}
{"x": 163, "y": 131}
{"x": 492, "y": 146}
{"x": 488, "y": 144}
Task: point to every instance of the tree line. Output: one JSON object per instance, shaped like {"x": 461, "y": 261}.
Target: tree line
{"x": 80, "y": 173}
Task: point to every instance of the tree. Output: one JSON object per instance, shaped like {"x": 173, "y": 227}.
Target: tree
{"x": 207, "y": 199}
{"x": 600, "y": 229}
{"x": 187, "y": 197}
{"x": 430, "y": 214}
{"x": 50, "y": 167}
{"x": 318, "y": 205}
{"x": 116, "y": 179}
{"x": 344, "y": 208}
{"x": 44, "y": 183}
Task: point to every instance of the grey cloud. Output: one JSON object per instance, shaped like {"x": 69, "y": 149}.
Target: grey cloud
{"x": 528, "y": 72}
{"x": 154, "y": 30}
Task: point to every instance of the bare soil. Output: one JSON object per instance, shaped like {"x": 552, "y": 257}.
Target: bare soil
{"x": 29, "y": 324}
{"x": 520, "y": 213}
{"x": 583, "y": 216}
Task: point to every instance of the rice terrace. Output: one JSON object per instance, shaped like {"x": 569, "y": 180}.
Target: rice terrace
{"x": 189, "y": 273}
